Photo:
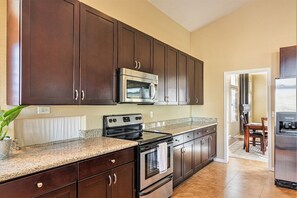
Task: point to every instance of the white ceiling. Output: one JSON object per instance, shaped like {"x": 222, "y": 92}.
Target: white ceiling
{"x": 193, "y": 14}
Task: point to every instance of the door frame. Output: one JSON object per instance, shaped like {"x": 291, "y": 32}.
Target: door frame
{"x": 267, "y": 71}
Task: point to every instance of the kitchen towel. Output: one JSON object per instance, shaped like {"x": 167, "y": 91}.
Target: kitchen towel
{"x": 162, "y": 157}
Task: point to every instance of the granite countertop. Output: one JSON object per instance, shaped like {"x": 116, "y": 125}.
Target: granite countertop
{"x": 177, "y": 129}
{"x": 38, "y": 158}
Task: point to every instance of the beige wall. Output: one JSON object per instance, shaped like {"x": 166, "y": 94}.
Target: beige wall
{"x": 259, "y": 97}
{"x": 137, "y": 13}
{"x": 246, "y": 39}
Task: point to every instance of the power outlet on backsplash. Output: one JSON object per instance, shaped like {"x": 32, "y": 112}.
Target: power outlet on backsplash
{"x": 43, "y": 110}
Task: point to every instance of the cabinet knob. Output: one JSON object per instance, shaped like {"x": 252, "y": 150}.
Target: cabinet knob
{"x": 176, "y": 140}
{"x": 188, "y": 136}
{"x": 39, "y": 185}
{"x": 113, "y": 161}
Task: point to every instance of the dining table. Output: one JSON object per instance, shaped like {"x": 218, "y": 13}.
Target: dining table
{"x": 250, "y": 126}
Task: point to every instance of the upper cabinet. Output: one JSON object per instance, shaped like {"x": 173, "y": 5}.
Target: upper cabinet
{"x": 66, "y": 54}
{"x": 190, "y": 80}
{"x": 98, "y": 52}
{"x": 165, "y": 66}
{"x": 43, "y": 53}
{"x": 288, "y": 62}
{"x": 135, "y": 49}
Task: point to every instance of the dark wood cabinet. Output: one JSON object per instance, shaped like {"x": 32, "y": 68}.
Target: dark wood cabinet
{"x": 65, "y": 192}
{"x": 191, "y": 80}
{"x": 212, "y": 145}
{"x": 165, "y": 66}
{"x": 182, "y": 79}
{"x": 43, "y": 55}
{"x": 98, "y": 52}
{"x": 199, "y": 91}
{"x": 197, "y": 153}
{"x": 188, "y": 159}
{"x": 288, "y": 62}
{"x": 111, "y": 175}
{"x": 58, "y": 182}
{"x": 192, "y": 151}
{"x": 178, "y": 173}
{"x": 135, "y": 49}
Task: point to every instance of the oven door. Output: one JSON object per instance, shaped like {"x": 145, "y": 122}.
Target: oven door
{"x": 149, "y": 171}
{"x": 137, "y": 90}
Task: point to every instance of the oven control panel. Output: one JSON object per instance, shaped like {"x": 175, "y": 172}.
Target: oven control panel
{"x": 122, "y": 120}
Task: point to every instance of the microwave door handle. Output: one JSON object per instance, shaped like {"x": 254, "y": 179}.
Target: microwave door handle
{"x": 152, "y": 91}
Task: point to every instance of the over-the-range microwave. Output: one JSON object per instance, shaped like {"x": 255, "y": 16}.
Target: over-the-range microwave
{"x": 137, "y": 87}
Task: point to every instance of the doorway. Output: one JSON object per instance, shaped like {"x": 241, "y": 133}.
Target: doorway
{"x": 246, "y": 92}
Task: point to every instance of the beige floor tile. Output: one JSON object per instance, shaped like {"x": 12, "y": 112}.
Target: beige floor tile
{"x": 238, "y": 179}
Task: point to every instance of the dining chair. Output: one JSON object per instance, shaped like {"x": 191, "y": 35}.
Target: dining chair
{"x": 253, "y": 134}
{"x": 264, "y": 143}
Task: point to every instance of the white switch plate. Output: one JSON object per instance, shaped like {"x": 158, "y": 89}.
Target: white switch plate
{"x": 151, "y": 114}
{"x": 43, "y": 110}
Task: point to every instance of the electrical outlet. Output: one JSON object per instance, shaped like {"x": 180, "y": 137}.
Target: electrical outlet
{"x": 43, "y": 110}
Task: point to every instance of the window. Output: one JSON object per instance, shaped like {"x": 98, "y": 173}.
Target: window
{"x": 234, "y": 98}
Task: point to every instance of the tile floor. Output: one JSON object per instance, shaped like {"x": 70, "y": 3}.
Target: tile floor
{"x": 239, "y": 178}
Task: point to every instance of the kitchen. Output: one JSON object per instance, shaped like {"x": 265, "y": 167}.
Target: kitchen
{"x": 253, "y": 46}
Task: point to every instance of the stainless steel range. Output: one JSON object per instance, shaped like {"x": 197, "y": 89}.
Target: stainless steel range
{"x": 154, "y": 154}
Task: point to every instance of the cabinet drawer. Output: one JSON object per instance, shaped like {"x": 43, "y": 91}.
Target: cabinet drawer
{"x": 198, "y": 133}
{"x": 177, "y": 140}
{"x": 188, "y": 136}
{"x": 102, "y": 163}
{"x": 40, "y": 183}
{"x": 211, "y": 129}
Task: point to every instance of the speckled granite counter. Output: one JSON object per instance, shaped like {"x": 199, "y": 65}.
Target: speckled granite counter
{"x": 34, "y": 159}
{"x": 180, "y": 126}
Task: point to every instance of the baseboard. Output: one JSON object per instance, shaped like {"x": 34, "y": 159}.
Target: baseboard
{"x": 220, "y": 160}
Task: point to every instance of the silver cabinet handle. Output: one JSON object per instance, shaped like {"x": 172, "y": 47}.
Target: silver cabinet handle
{"x": 115, "y": 178}
{"x": 113, "y": 161}
{"x": 109, "y": 180}
{"x": 135, "y": 65}
{"x": 82, "y": 95}
{"x": 197, "y": 100}
{"x": 39, "y": 185}
{"x": 139, "y": 65}
{"x": 75, "y": 94}
{"x": 210, "y": 137}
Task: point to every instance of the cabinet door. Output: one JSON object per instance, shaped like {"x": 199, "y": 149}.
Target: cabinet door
{"x": 205, "y": 149}
{"x": 124, "y": 181}
{"x": 94, "y": 187}
{"x": 197, "y": 153}
{"x": 50, "y": 36}
{"x": 144, "y": 51}
{"x": 178, "y": 174}
{"x": 212, "y": 145}
{"x": 171, "y": 70}
{"x": 191, "y": 80}
{"x": 159, "y": 69}
{"x": 199, "y": 82}
{"x": 182, "y": 78}
{"x": 98, "y": 34}
{"x": 288, "y": 62}
{"x": 188, "y": 158}
{"x": 66, "y": 192}
{"x": 126, "y": 46}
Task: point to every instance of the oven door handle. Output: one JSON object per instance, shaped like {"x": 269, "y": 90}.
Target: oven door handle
{"x": 168, "y": 179}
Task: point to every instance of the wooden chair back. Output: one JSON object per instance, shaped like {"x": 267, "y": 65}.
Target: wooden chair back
{"x": 264, "y": 125}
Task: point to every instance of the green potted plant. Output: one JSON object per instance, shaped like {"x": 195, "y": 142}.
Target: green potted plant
{"x": 6, "y": 117}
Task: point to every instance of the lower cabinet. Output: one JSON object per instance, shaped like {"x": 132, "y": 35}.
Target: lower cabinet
{"x": 65, "y": 192}
{"x": 191, "y": 153}
{"x": 115, "y": 183}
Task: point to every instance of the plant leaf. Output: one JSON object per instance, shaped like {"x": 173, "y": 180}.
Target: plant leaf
{"x": 10, "y": 111}
{"x": 12, "y": 116}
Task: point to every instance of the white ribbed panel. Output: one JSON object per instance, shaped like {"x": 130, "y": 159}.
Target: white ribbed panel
{"x": 43, "y": 130}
